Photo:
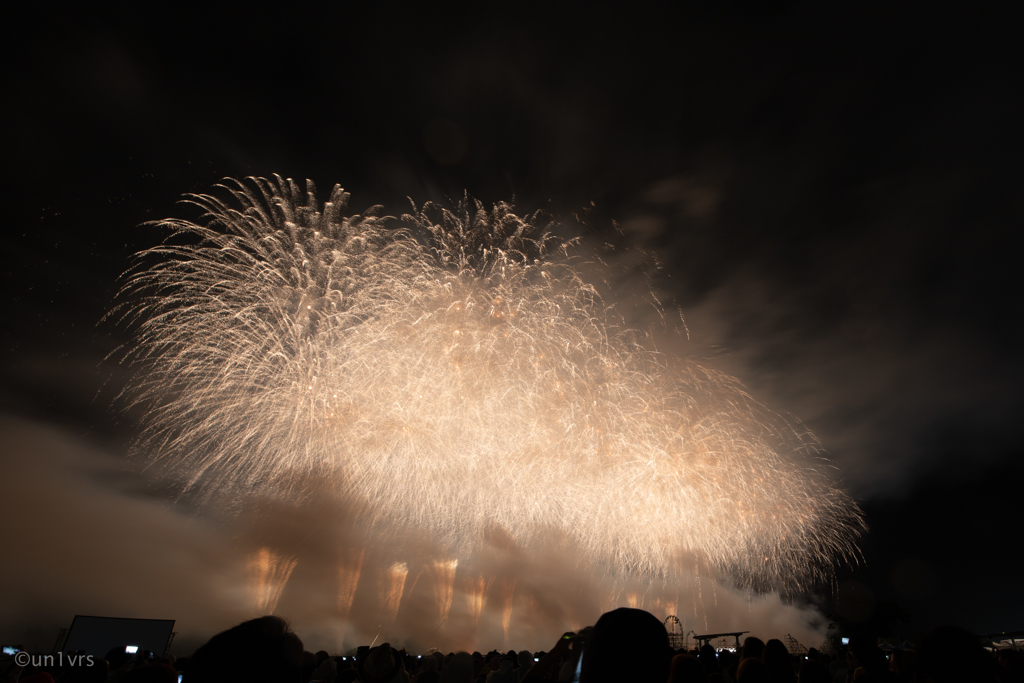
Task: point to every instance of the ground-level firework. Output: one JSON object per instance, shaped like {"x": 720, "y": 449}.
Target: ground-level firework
{"x": 463, "y": 376}
{"x": 269, "y": 575}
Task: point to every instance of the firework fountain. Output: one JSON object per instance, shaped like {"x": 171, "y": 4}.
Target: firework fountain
{"x": 348, "y": 581}
{"x": 269, "y": 573}
{"x": 456, "y": 374}
{"x": 476, "y": 596}
{"x": 444, "y": 585}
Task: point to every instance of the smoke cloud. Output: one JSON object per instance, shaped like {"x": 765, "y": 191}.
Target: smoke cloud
{"x": 90, "y": 536}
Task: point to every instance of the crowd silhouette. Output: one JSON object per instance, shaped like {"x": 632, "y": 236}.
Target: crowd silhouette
{"x": 624, "y": 646}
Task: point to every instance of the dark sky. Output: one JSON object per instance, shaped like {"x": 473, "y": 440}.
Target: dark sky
{"x": 834, "y": 190}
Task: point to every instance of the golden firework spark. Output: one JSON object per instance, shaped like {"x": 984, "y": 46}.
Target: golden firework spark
{"x": 463, "y": 371}
{"x": 394, "y": 586}
{"x": 444, "y": 585}
{"x": 269, "y": 574}
{"x": 476, "y": 595}
{"x": 508, "y": 589}
{"x": 348, "y": 581}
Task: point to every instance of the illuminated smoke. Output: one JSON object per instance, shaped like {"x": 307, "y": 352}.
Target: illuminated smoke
{"x": 348, "y": 581}
{"x": 444, "y": 586}
{"x": 476, "y": 595}
{"x": 508, "y": 589}
{"x": 458, "y": 372}
{"x": 394, "y": 586}
{"x": 269, "y": 574}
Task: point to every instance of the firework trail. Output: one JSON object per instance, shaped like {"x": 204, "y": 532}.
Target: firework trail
{"x": 508, "y": 590}
{"x": 476, "y": 595}
{"x": 393, "y": 587}
{"x": 269, "y": 574}
{"x": 348, "y": 581}
{"x": 459, "y": 371}
{"x": 444, "y": 586}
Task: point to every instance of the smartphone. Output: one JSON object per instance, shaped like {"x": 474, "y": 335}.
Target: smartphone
{"x": 131, "y": 649}
{"x": 11, "y": 650}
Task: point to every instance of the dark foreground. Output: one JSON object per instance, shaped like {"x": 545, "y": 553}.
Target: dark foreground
{"x": 626, "y": 645}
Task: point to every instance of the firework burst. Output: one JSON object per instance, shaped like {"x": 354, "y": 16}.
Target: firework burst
{"x": 456, "y": 372}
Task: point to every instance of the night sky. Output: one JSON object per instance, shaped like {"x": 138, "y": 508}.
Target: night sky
{"x": 834, "y": 190}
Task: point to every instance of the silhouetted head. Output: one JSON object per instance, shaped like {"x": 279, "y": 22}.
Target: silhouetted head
{"x": 152, "y": 673}
{"x": 776, "y": 658}
{"x": 97, "y": 673}
{"x": 459, "y": 669}
{"x": 950, "y": 654}
{"x": 262, "y": 650}
{"x": 867, "y": 654}
{"x": 752, "y": 670}
{"x": 686, "y": 669}
{"x": 904, "y": 662}
{"x": 708, "y": 658}
{"x": 626, "y": 645}
{"x": 1011, "y": 664}
{"x": 117, "y": 657}
{"x": 383, "y": 665}
{"x": 38, "y": 677}
{"x": 813, "y": 671}
{"x": 504, "y": 674}
{"x": 753, "y": 647}
{"x": 347, "y": 676}
{"x": 308, "y": 665}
